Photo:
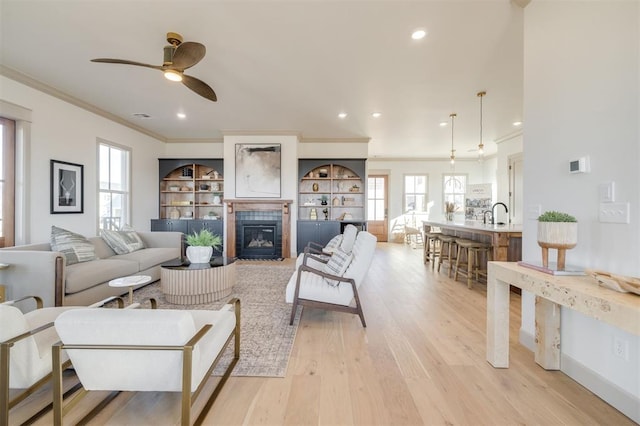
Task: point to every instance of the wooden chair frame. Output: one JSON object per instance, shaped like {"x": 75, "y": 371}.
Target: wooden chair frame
{"x": 187, "y": 397}
{"x": 297, "y": 300}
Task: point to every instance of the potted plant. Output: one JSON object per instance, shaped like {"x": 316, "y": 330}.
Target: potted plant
{"x": 323, "y": 200}
{"x": 201, "y": 245}
{"x": 559, "y": 231}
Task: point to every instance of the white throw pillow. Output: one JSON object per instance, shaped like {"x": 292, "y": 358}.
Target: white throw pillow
{"x": 337, "y": 264}
{"x": 348, "y": 238}
{"x": 333, "y": 244}
{"x": 123, "y": 242}
{"x": 75, "y": 247}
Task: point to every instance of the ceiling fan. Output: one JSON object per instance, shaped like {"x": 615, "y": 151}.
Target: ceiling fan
{"x": 178, "y": 56}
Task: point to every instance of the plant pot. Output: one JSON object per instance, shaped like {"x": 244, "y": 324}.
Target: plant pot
{"x": 557, "y": 235}
{"x": 199, "y": 254}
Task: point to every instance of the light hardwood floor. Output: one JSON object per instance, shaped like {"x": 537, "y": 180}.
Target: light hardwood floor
{"x": 420, "y": 361}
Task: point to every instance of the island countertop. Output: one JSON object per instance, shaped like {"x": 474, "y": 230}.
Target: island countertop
{"x": 506, "y": 240}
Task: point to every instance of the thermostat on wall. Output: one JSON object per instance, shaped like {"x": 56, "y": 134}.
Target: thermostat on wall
{"x": 581, "y": 165}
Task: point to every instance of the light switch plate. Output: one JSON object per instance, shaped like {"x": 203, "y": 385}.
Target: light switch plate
{"x": 607, "y": 192}
{"x": 614, "y": 212}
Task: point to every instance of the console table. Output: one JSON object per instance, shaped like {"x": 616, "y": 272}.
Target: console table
{"x": 581, "y": 293}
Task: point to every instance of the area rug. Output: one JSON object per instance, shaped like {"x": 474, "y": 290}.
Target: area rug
{"x": 266, "y": 338}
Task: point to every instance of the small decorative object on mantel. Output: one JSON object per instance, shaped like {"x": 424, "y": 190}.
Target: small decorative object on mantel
{"x": 201, "y": 245}
{"x": 558, "y": 231}
{"x": 616, "y": 282}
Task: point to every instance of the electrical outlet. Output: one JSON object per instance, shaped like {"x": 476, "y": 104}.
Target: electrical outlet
{"x": 621, "y": 348}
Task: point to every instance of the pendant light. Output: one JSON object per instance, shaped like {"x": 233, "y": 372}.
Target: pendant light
{"x": 453, "y": 151}
{"x": 481, "y": 145}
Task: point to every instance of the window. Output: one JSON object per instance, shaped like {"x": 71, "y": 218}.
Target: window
{"x": 114, "y": 197}
{"x": 7, "y": 182}
{"x": 454, "y": 189}
{"x": 415, "y": 193}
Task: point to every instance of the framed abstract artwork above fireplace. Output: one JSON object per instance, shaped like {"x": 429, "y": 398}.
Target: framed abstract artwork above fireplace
{"x": 258, "y": 170}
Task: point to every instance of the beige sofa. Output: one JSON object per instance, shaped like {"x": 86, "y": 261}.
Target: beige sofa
{"x": 34, "y": 270}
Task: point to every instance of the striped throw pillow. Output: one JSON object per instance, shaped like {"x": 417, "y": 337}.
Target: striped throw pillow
{"x": 75, "y": 247}
{"x": 333, "y": 244}
{"x": 122, "y": 242}
{"x": 337, "y": 265}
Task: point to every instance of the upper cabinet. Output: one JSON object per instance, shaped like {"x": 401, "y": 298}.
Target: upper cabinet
{"x": 191, "y": 188}
{"x": 331, "y": 190}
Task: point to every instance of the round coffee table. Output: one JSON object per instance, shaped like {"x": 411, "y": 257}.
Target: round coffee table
{"x": 186, "y": 283}
{"x": 130, "y": 282}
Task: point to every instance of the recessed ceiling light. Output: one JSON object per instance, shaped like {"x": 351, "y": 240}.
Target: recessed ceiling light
{"x": 443, "y": 124}
{"x": 517, "y": 123}
{"x": 376, "y": 114}
{"x": 418, "y": 34}
{"x": 342, "y": 115}
{"x": 181, "y": 115}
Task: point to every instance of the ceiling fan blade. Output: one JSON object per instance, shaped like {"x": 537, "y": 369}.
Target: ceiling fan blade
{"x": 200, "y": 87}
{"x": 126, "y": 62}
{"x": 188, "y": 54}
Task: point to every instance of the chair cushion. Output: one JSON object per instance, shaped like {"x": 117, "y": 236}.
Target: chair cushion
{"x": 75, "y": 247}
{"x": 337, "y": 264}
{"x": 348, "y": 238}
{"x": 122, "y": 242}
{"x": 333, "y": 244}
{"x": 314, "y": 287}
{"x": 141, "y": 370}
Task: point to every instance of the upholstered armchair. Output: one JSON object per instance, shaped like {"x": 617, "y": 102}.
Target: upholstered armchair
{"x": 142, "y": 350}
{"x": 25, "y": 349}
{"x": 333, "y": 283}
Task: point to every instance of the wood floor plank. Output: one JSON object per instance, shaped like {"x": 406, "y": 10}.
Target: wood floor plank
{"x": 420, "y": 360}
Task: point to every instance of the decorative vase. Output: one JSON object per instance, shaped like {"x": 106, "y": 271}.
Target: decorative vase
{"x": 216, "y": 199}
{"x": 449, "y": 216}
{"x": 199, "y": 254}
{"x": 315, "y": 187}
{"x": 557, "y": 235}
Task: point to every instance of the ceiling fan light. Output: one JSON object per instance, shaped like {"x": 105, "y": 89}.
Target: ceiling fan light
{"x": 173, "y": 75}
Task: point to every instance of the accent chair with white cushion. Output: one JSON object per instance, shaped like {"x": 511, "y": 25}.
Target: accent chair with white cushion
{"x": 321, "y": 253}
{"x": 146, "y": 350}
{"x": 25, "y": 349}
{"x": 333, "y": 285}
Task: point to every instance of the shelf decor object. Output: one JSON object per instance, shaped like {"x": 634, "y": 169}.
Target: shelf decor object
{"x": 558, "y": 231}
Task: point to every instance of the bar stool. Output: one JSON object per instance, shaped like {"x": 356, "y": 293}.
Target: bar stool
{"x": 481, "y": 256}
{"x": 431, "y": 247}
{"x": 470, "y": 250}
{"x": 447, "y": 252}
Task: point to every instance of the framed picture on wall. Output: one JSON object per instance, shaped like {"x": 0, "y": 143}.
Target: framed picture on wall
{"x": 67, "y": 187}
{"x": 258, "y": 170}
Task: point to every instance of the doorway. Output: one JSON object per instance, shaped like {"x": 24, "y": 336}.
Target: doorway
{"x": 377, "y": 206}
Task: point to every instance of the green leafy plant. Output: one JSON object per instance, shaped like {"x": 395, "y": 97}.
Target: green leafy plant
{"x": 204, "y": 238}
{"x": 323, "y": 198}
{"x": 553, "y": 216}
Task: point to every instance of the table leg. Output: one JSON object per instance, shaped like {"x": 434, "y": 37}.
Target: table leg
{"x": 547, "y": 334}
{"x": 130, "y": 294}
{"x": 497, "y": 321}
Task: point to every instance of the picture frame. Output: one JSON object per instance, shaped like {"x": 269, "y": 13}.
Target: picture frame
{"x": 67, "y": 187}
{"x": 258, "y": 170}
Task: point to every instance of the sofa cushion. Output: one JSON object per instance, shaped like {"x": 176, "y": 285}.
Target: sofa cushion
{"x": 315, "y": 288}
{"x": 333, "y": 244}
{"x": 75, "y": 247}
{"x": 337, "y": 264}
{"x": 88, "y": 274}
{"x": 150, "y": 257}
{"x": 122, "y": 242}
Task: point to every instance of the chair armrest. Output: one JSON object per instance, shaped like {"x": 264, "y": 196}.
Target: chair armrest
{"x": 39, "y": 304}
{"x": 314, "y": 257}
{"x": 103, "y": 302}
{"x": 313, "y": 247}
{"x": 305, "y": 268}
{"x": 153, "y": 303}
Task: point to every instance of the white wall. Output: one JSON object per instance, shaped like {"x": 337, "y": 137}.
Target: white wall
{"x": 193, "y": 150}
{"x": 506, "y": 149}
{"x": 64, "y": 132}
{"x": 581, "y": 86}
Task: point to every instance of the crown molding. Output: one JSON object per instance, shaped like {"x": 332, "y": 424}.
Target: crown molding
{"x": 444, "y": 159}
{"x": 261, "y": 133}
{"x": 194, "y": 140}
{"x": 334, "y": 140}
{"x": 49, "y": 90}
{"x": 509, "y": 136}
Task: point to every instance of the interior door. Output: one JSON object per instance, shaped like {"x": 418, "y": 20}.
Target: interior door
{"x": 377, "y": 206}
{"x": 515, "y": 188}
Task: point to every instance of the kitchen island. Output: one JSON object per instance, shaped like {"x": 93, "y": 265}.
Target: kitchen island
{"x": 506, "y": 240}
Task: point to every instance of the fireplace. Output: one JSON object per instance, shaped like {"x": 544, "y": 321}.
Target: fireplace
{"x": 259, "y": 239}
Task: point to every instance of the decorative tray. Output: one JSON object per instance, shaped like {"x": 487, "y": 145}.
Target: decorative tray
{"x": 616, "y": 282}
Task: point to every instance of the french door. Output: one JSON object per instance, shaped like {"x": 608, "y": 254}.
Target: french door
{"x": 377, "y": 206}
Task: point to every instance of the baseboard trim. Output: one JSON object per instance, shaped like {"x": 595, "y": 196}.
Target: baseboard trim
{"x": 527, "y": 340}
{"x": 620, "y": 399}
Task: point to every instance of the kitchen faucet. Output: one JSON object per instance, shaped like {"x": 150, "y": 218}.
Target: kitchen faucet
{"x": 484, "y": 216}
{"x": 493, "y": 213}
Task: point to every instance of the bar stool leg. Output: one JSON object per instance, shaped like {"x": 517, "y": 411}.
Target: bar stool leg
{"x": 469, "y": 267}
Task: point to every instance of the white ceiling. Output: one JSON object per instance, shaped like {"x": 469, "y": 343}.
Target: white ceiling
{"x": 286, "y": 65}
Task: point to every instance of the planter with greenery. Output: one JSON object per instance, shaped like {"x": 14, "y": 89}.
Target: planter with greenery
{"x": 558, "y": 231}
{"x": 201, "y": 245}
